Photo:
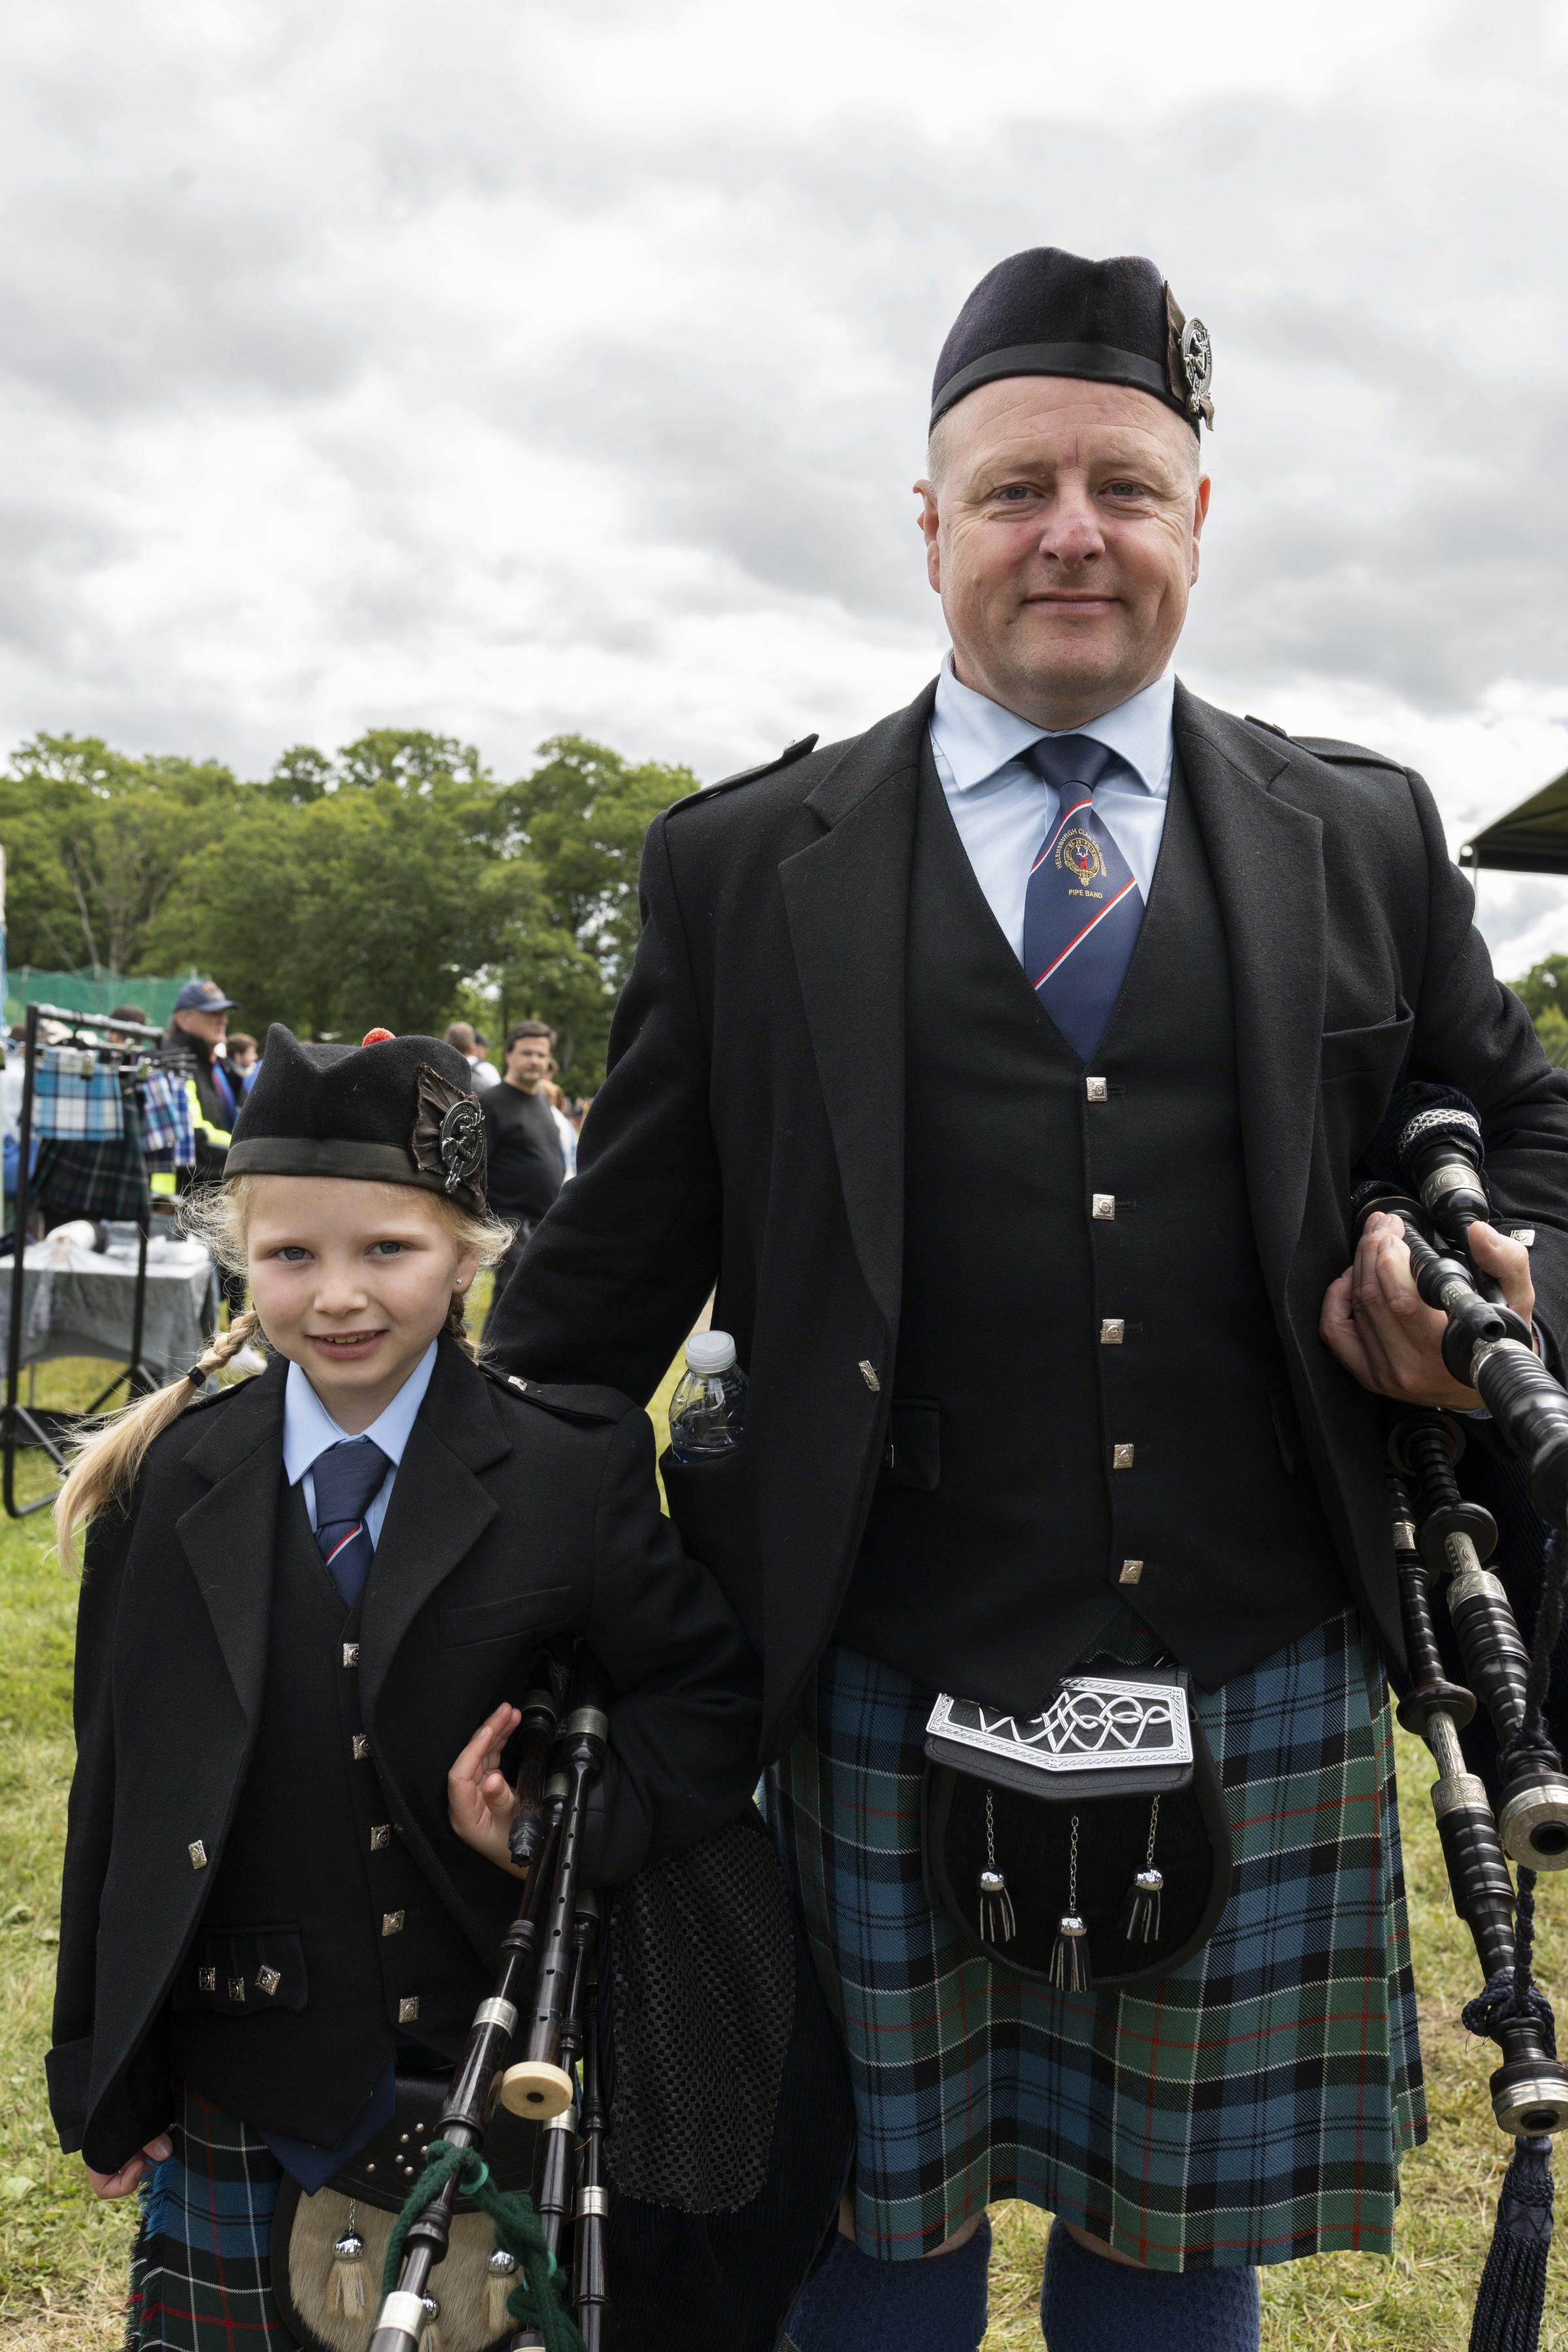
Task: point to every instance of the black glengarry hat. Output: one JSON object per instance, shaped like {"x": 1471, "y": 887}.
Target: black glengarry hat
{"x": 396, "y": 1110}
{"x": 1046, "y": 312}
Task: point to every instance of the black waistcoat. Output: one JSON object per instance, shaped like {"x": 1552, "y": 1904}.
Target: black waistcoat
{"x": 314, "y": 1888}
{"x": 1089, "y": 1409}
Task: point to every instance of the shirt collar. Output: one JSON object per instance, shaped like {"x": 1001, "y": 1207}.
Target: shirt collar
{"x": 308, "y": 1428}
{"x": 978, "y": 736}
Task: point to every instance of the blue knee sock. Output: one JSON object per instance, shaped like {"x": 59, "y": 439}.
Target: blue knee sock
{"x": 1089, "y": 2304}
{"x": 855, "y": 2305}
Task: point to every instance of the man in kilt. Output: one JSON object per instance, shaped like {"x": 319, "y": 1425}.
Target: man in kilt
{"x": 1005, "y": 1067}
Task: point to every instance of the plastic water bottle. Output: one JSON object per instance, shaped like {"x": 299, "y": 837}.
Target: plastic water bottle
{"x": 708, "y": 1411}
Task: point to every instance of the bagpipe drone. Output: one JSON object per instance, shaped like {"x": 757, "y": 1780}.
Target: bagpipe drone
{"x": 1427, "y": 1164}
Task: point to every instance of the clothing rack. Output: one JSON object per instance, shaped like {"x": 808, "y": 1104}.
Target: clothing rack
{"x": 25, "y": 1424}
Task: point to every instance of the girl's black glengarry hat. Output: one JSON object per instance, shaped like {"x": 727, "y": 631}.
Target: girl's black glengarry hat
{"x": 396, "y": 1110}
{"x": 1046, "y": 312}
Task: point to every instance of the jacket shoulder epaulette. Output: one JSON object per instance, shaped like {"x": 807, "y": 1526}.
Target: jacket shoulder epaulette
{"x": 1329, "y": 749}
{"x": 580, "y": 1401}
{"x": 786, "y": 759}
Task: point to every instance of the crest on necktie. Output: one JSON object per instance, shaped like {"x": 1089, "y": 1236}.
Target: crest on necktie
{"x": 1078, "y": 853}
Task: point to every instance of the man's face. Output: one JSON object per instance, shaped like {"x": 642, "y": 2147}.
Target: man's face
{"x": 212, "y": 1026}
{"x": 527, "y": 1062}
{"x": 1062, "y": 536}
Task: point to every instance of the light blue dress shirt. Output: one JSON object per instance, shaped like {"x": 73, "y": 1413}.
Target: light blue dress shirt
{"x": 309, "y": 1429}
{"x": 1004, "y": 811}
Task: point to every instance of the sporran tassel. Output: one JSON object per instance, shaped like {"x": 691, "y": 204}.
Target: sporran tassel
{"x": 1141, "y": 1911}
{"x": 1511, "y": 2299}
{"x": 1069, "y": 1968}
{"x": 347, "y": 2281}
{"x": 998, "y": 1923}
{"x": 499, "y": 2278}
{"x": 1069, "y": 1955}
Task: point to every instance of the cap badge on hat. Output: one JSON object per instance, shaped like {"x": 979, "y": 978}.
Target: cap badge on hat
{"x": 1189, "y": 361}
{"x": 1197, "y": 362}
{"x": 448, "y": 1138}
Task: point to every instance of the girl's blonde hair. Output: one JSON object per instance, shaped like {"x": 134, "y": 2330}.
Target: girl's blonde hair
{"x": 104, "y": 1467}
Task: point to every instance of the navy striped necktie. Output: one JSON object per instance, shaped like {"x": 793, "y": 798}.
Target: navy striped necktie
{"x": 1082, "y": 908}
{"x": 347, "y": 1477}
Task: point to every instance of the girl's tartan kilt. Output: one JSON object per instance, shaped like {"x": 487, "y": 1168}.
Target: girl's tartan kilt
{"x": 201, "y": 2279}
{"x": 1252, "y": 2106}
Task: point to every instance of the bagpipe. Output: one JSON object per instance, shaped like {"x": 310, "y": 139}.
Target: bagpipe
{"x": 1428, "y": 1170}
{"x": 651, "y": 2110}
{"x": 545, "y": 1997}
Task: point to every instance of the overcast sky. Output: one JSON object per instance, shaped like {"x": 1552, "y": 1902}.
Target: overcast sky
{"x": 509, "y": 368}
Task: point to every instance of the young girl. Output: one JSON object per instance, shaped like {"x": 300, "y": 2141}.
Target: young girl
{"x": 300, "y": 1595}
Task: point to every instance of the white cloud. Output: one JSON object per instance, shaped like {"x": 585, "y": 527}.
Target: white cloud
{"x": 509, "y": 368}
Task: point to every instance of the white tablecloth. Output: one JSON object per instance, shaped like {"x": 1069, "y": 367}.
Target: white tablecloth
{"x": 78, "y": 1302}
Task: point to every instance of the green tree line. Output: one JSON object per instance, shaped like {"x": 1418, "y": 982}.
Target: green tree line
{"x": 396, "y": 882}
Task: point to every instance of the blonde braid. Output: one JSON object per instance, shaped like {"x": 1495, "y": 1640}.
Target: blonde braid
{"x": 105, "y": 1465}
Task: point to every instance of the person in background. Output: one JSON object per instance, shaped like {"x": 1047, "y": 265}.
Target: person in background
{"x": 564, "y": 1127}
{"x": 243, "y": 1058}
{"x": 191, "y": 1046}
{"x": 192, "y": 1049}
{"x": 133, "y": 1012}
{"x": 484, "y": 1074}
{"x": 483, "y": 1047}
{"x": 527, "y": 1158}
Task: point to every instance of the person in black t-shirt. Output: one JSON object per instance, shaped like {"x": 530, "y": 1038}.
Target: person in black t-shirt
{"x": 525, "y": 1163}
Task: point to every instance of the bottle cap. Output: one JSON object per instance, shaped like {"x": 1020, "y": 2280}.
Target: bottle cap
{"x": 709, "y": 1352}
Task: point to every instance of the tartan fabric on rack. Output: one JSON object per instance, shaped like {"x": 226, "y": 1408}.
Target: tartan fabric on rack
{"x": 167, "y": 1132}
{"x": 95, "y": 1179}
{"x": 1249, "y": 2107}
{"x": 76, "y": 1098}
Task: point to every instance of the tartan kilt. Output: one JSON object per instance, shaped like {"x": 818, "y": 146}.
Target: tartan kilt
{"x": 201, "y": 2274}
{"x": 1252, "y": 2106}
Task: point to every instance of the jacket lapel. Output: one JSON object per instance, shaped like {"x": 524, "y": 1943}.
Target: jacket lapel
{"x": 228, "y": 1535}
{"x": 1267, "y": 858}
{"x": 438, "y": 1510}
{"x": 847, "y": 901}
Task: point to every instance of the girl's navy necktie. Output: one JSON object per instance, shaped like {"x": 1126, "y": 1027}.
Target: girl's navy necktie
{"x": 347, "y": 1476}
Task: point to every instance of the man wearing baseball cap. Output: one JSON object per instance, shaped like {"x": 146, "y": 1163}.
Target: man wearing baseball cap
{"x": 197, "y": 1027}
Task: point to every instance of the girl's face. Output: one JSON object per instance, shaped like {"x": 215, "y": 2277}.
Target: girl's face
{"x": 351, "y": 1282}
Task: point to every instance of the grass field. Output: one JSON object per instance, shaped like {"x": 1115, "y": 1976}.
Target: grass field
{"x": 62, "y": 2255}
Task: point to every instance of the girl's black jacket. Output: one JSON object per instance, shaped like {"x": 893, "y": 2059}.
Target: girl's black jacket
{"x": 519, "y": 1512}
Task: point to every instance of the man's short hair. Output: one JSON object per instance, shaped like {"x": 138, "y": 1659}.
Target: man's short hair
{"x": 239, "y": 1042}
{"x": 462, "y": 1035}
{"x": 527, "y": 1029}
{"x": 129, "y": 1013}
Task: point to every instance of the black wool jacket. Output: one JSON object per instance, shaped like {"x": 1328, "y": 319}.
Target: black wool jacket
{"x": 518, "y": 1514}
{"x": 751, "y": 1131}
